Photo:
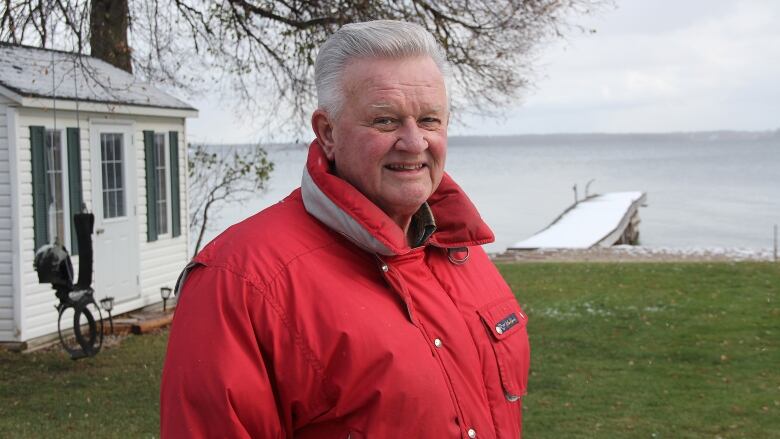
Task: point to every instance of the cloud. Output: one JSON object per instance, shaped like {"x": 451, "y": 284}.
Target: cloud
{"x": 659, "y": 66}
{"x": 654, "y": 66}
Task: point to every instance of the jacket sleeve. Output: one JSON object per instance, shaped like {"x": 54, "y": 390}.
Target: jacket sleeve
{"x": 216, "y": 382}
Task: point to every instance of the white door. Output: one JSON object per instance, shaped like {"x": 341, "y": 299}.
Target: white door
{"x": 114, "y": 204}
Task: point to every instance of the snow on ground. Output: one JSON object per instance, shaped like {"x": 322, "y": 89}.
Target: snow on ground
{"x": 584, "y": 225}
{"x": 591, "y": 309}
{"x": 712, "y": 252}
{"x": 629, "y": 253}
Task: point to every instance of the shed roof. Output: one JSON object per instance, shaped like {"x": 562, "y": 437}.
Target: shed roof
{"x": 44, "y": 73}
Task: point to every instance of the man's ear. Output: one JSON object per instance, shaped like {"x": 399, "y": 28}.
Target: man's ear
{"x": 322, "y": 125}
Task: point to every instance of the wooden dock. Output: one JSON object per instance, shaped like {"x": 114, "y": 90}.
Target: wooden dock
{"x": 597, "y": 221}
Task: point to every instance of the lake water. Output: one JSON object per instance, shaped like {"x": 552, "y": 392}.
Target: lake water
{"x": 703, "y": 190}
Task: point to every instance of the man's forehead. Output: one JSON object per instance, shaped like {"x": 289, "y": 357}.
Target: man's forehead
{"x": 389, "y": 106}
{"x": 395, "y": 84}
{"x": 380, "y": 72}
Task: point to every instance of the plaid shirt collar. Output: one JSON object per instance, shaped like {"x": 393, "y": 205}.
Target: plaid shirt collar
{"x": 422, "y": 226}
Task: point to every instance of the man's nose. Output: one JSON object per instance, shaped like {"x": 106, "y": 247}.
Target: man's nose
{"x": 411, "y": 137}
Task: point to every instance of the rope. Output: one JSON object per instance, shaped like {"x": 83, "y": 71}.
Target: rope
{"x": 53, "y": 89}
{"x": 83, "y": 206}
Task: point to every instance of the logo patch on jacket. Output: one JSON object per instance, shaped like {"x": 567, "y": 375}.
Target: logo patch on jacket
{"x": 507, "y": 323}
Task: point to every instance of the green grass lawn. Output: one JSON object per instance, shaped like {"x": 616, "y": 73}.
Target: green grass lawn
{"x": 638, "y": 350}
{"x": 651, "y": 350}
{"x": 115, "y": 394}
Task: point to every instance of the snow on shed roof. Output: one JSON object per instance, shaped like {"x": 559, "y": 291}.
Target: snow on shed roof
{"x": 27, "y": 71}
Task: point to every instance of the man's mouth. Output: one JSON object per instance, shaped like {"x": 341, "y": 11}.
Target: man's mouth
{"x": 405, "y": 166}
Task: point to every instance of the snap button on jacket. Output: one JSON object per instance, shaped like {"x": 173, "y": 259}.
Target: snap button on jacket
{"x": 315, "y": 319}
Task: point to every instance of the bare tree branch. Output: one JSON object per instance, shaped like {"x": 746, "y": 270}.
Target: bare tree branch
{"x": 264, "y": 50}
{"x": 221, "y": 175}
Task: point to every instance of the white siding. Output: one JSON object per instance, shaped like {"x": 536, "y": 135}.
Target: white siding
{"x": 6, "y": 229}
{"x": 38, "y": 314}
{"x": 160, "y": 262}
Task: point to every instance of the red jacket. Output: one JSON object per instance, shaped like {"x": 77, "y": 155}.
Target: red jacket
{"x": 314, "y": 319}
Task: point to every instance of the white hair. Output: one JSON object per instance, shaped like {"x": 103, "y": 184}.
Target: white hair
{"x": 371, "y": 39}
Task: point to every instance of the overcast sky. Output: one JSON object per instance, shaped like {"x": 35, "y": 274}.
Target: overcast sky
{"x": 651, "y": 66}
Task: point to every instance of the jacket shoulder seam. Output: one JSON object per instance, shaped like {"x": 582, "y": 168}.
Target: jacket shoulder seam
{"x": 262, "y": 289}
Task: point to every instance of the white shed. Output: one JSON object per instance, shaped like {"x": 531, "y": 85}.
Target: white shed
{"x": 77, "y": 133}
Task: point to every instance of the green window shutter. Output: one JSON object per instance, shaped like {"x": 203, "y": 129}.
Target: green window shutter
{"x": 74, "y": 182}
{"x": 173, "y": 143}
{"x": 40, "y": 188}
{"x": 151, "y": 184}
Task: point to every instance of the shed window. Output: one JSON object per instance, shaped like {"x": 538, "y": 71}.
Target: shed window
{"x": 111, "y": 162}
{"x": 55, "y": 182}
{"x": 162, "y": 185}
{"x": 56, "y": 185}
{"x": 161, "y": 188}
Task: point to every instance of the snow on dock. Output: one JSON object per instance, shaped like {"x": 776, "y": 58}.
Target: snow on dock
{"x": 597, "y": 221}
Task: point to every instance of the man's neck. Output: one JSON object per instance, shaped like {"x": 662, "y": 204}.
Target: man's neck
{"x": 420, "y": 226}
{"x": 403, "y": 221}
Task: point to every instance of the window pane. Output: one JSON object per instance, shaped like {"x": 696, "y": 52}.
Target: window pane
{"x": 55, "y": 207}
{"x": 120, "y": 202}
{"x": 108, "y": 176}
{"x": 120, "y": 184}
{"x": 113, "y": 175}
{"x": 161, "y": 188}
{"x": 105, "y": 204}
{"x": 117, "y": 147}
{"x": 111, "y": 207}
{"x": 109, "y": 147}
{"x": 115, "y": 182}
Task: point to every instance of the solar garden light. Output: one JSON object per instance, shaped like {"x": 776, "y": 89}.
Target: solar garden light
{"x": 165, "y": 292}
{"x": 108, "y": 304}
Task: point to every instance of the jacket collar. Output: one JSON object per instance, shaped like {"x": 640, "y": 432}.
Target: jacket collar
{"x": 344, "y": 209}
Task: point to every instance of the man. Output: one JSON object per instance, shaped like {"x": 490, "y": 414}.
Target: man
{"x": 362, "y": 305}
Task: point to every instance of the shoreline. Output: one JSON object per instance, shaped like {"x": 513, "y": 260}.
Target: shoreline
{"x": 627, "y": 253}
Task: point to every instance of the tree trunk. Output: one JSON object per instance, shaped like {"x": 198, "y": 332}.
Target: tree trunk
{"x": 108, "y": 22}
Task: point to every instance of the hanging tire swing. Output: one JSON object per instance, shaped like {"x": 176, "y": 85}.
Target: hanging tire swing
{"x": 87, "y": 338}
{"x": 77, "y": 310}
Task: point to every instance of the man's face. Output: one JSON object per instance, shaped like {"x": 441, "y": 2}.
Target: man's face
{"x": 390, "y": 140}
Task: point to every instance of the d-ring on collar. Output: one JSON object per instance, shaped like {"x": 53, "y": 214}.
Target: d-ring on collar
{"x": 454, "y": 259}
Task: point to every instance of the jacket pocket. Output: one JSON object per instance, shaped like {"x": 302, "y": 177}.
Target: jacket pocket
{"x": 506, "y": 323}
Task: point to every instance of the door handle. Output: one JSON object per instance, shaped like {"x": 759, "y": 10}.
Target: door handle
{"x": 99, "y": 231}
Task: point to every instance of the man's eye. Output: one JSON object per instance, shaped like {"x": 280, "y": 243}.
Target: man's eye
{"x": 384, "y": 121}
{"x": 429, "y": 121}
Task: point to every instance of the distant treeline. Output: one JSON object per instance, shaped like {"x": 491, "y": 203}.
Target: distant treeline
{"x": 563, "y": 138}
{"x": 587, "y": 138}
